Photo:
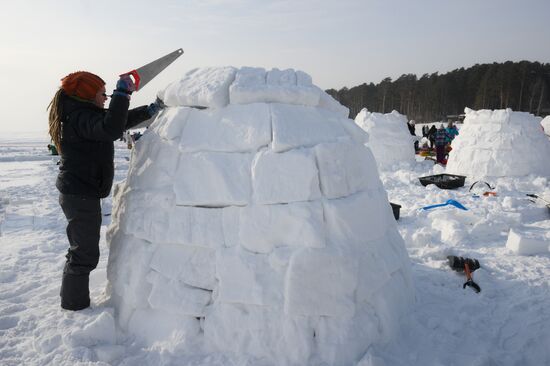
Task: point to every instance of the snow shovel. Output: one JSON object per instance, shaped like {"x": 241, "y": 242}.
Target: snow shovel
{"x": 448, "y": 202}
{"x": 148, "y": 72}
{"x": 467, "y": 265}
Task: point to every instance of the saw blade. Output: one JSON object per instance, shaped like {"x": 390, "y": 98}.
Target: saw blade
{"x": 151, "y": 70}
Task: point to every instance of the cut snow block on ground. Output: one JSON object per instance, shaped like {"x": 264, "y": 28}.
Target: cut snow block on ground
{"x": 528, "y": 242}
{"x": 499, "y": 143}
{"x": 389, "y": 138}
{"x": 258, "y": 228}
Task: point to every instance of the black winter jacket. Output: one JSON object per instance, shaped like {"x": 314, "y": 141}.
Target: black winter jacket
{"x": 87, "y": 149}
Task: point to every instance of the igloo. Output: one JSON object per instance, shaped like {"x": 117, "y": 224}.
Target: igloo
{"x": 499, "y": 143}
{"x": 253, "y": 224}
{"x": 389, "y": 138}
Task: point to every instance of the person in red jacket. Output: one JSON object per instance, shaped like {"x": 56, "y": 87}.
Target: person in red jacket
{"x": 83, "y": 133}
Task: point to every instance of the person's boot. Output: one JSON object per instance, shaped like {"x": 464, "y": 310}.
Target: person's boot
{"x": 75, "y": 294}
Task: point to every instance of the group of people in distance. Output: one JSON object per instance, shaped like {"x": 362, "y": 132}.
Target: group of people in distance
{"x": 439, "y": 138}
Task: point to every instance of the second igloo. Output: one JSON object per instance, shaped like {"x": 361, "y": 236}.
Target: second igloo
{"x": 254, "y": 225}
{"x": 389, "y": 138}
{"x": 500, "y": 143}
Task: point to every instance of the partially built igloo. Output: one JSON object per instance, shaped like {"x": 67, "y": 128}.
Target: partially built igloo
{"x": 499, "y": 143}
{"x": 257, "y": 227}
{"x": 389, "y": 138}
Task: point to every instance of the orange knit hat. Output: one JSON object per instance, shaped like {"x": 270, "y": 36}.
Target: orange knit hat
{"x": 82, "y": 84}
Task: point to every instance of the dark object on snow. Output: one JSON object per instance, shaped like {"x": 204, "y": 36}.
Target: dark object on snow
{"x": 457, "y": 263}
{"x": 480, "y": 182}
{"x": 443, "y": 181}
{"x": 395, "y": 208}
{"x": 468, "y": 266}
{"x": 532, "y": 195}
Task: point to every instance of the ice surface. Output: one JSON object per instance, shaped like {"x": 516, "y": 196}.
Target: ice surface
{"x": 258, "y": 227}
{"x": 389, "y": 137}
{"x": 499, "y": 143}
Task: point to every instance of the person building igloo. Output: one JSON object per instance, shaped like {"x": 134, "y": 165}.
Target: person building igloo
{"x": 256, "y": 227}
{"x": 499, "y": 143}
{"x": 389, "y": 138}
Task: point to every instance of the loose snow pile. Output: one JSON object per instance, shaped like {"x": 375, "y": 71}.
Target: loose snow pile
{"x": 257, "y": 227}
{"x": 500, "y": 143}
{"x": 389, "y": 138}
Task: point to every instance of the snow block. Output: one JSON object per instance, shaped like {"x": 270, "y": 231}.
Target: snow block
{"x": 264, "y": 227}
{"x": 373, "y": 273}
{"x": 345, "y": 168}
{"x": 343, "y": 340}
{"x": 127, "y": 278}
{"x": 390, "y": 304}
{"x": 206, "y": 87}
{"x": 135, "y": 205}
{"x": 170, "y": 122}
{"x": 329, "y": 103}
{"x": 175, "y": 297}
{"x": 195, "y": 226}
{"x": 191, "y": 265}
{"x": 213, "y": 179}
{"x": 299, "y": 126}
{"x": 321, "y": 282}
{"x": 235, "y": 128}
{"x": 231, "y": 223}
{"x": 253, "y": 330}
{"x": 285, "y": 177}
{"x": 348, "y": 219}
{"x": 151, "y": 326}
{"x": 246, "y": 278}
{"x": 527, "y": 243}
{"x": 253, "y": 85}
{"x": 153, "y": 163}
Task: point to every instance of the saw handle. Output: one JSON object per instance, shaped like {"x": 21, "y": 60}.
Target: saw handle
{"x": 470, "y": 281}
{"x": 135, "y": 76}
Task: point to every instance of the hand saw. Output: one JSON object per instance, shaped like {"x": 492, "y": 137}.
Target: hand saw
{"x": 148, "y": 72}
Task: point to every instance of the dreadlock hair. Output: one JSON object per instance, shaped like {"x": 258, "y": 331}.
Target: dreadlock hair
{"x": 56, "y": 110}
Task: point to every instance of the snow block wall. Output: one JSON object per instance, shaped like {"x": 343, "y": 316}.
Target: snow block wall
{"x": 389, "y": 138}
{"x": 500, "y": 143}
{"x": 257, "y": 227}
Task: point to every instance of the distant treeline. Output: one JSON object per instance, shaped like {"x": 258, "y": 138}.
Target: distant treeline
{"x": 522, "y": 86}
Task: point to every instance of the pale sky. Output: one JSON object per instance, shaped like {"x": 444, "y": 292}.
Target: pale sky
{"x": 339, "y": 43}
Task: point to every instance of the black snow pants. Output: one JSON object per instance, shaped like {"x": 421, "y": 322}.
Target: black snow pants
{"x": 84, "y": 223}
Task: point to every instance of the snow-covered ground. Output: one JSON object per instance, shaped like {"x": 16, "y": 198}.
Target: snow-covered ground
{"x": 506, "y": 324}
